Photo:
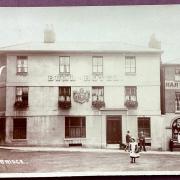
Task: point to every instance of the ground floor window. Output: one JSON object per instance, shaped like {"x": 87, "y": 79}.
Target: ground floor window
{"x": 75, "y": 127}
{"x": 176, "y": 129}
{"x": 19, "y": 128}
{"x": 144, "y": 125}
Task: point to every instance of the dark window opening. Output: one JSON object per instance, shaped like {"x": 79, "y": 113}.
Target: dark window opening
{"x": 19, "y": 128}
{"x": 75, "y": 127}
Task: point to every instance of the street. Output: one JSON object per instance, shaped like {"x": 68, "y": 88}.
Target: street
{"x": 66, "y": 161}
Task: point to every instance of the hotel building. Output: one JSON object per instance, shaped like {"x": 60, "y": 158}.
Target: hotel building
{"x": 87, "y": 94}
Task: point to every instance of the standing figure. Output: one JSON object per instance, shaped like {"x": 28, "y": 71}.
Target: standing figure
{"x": 128, "y": 139}
{"x": 142, "y": 141}
{"x": 134, "y": 151}
{"x": 178, "y": 137}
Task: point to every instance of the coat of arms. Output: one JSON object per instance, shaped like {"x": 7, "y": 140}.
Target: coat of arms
{"x": 81, "y": 96}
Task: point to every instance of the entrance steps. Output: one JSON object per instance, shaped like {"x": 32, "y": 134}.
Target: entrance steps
{"x": 112, "y": 146}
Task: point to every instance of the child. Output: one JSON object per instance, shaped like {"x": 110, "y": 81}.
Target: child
{"x": 134, "y": 151}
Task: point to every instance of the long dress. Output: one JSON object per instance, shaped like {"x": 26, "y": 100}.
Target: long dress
{"x": 133, "y": 150}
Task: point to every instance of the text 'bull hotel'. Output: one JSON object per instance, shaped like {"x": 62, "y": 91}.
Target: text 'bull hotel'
{"x": 85, "y": 94}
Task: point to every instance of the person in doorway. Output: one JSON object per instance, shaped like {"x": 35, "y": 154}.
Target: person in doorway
{"x": 134, "y": 150}
{"x": 142, "y": 141}
{"x": 128, "y": 138}
{"x": 178, "y": 137}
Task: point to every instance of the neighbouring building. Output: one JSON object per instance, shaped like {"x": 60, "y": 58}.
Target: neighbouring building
{"x": 171, "y": 101}
{"x": 87, "y": 94}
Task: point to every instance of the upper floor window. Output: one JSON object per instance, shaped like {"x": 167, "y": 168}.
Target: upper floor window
{"x": 97, "y": 64}
{"x": 21, "y": 97}
{"x": 22, "y": 64}
{"x": 64, "y": 64}
{"x": 177, "y": 102}
{"x": 130, "y": 64}
{"x": 65, "y": 93}
{"x": 177, "y": 74}
{"x": 65, "y": 97}
{"x": 130, "y": 93}
{"x": 98, "y": 93}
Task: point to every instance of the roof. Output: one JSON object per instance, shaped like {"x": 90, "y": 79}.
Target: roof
{"x": 175, "y": 62}
{"x": 78, "y": 47}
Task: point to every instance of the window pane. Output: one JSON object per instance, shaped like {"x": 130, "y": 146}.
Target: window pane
{"x": 100, "y": 69}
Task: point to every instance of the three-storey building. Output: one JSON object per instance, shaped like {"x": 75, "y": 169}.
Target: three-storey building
{"x": 85, "y": 94}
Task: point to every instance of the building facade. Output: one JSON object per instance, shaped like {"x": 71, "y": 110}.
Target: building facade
{"x": 64, "y": 94}
{"x": 171, "y": 101}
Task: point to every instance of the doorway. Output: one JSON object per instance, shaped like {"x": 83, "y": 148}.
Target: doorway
{"x": 2, "y": 130}
{"x": 114, "y": 129}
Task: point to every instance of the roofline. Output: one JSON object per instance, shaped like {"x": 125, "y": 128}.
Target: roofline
{"x": 170, "y": 64}
{"x": 80, "y": 51}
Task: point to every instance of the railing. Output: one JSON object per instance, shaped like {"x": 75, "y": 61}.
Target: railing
{"x": 64, "y": 104}
{"x": 21, "y": 104}
{"x": 98, "y": 104}
{"x": 131, "y": 104}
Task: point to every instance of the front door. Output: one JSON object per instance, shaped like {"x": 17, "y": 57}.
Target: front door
{"x": 2, "y": 130}
{"x": 114, "y": 130}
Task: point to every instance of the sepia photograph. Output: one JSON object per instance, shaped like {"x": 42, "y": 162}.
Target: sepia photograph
{"x": 89, "y": 91}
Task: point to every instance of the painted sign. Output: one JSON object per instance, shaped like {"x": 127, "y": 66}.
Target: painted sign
{"x": 81, "y": 96}
{"x": 84, "y": 78}
{"x": 172, "y": 85}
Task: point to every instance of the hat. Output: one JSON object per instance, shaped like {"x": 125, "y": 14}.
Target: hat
{"x": 133, "y": 139}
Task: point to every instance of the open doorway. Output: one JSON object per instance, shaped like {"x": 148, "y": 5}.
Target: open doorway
{"x": 2, "y": 130}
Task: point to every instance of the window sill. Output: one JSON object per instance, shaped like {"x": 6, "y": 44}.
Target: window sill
{"x": 19, "y": 140}
{"x": 74, "y": 140}
{"x": 177, "y": 112}
{"x": 130, "y": 74}
{"x": 22, "y": 73}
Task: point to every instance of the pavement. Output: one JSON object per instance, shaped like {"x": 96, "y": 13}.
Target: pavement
{"x": 81, "y": 149}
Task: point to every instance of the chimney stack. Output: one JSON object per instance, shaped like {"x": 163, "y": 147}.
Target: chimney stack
{"x": 154, "y": 43}
{"x": 49, "y": 34}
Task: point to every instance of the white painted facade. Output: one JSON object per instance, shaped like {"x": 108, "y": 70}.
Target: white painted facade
{"x": 46, "y": 121}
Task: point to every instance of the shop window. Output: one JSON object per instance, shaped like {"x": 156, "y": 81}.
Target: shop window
{"x": 97, "y": 65}
{"x": 75, "y": 127}
{"x": 144, "y": 125}
{"x": 130, "y": 64}
{"x": 22, "y": 65}
{"x": 21, "y": 97}
{"x": 64, "y": 65}
{"x": 177, "y": 74}
{"x": 177, "y": 102}
{"x": 19, "y": 128}
{"x": 131, "y": 96}
{"x": 65, "y": 97}
{"x": 98, "y": 96}
{"x": 175, "y": 129}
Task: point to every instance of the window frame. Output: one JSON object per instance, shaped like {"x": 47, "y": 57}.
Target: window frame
{"x": 21, "y": 95}
{"x": 20, "y": 127}
{"x": 147, "y": 131}
{"x": 177, "y": 103}
{"x": 69, "y": 127}
{"x": 21, "y": 58}
{"x": 64, "y": 65}
{"x": 97, "y": 65}
{"x": 67, "y": 94}
{"x": 132, "y": 69}
{"x": 99, "y": 89}
{"x": 130, "y": 95}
